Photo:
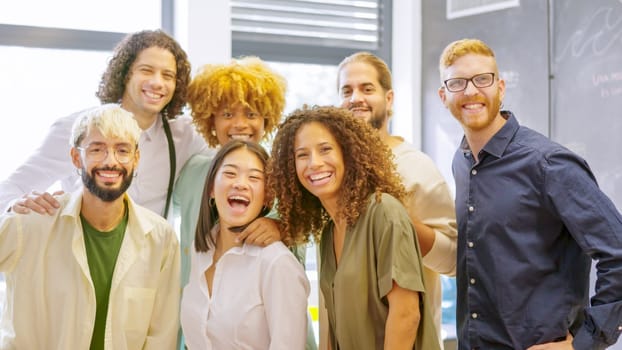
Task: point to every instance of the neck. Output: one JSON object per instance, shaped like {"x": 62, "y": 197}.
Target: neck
{"x": 225, "y": 240}
{"x": 331, "y": 207}
{"x": 144, "y": 120}
{"x": 477, "y": 139}
{"x": 103, "y": 216}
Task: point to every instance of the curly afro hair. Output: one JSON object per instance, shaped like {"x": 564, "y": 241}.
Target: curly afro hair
{"x": 368, "y": 164}
{"x": 248, "y": 81}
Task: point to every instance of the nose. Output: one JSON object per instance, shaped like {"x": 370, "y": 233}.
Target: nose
{"x": 240, "y": 184}
{"x": 356, "y": 96}
{"x": 110, "y": 158}
{"x": 240, "y": 121}
{"x": 470, "y": 89}
{"x": 315, "y": 160}
{"x": 157, "y": 79}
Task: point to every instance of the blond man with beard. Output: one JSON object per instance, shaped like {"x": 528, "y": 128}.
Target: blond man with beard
{"x": 101, "y": 272}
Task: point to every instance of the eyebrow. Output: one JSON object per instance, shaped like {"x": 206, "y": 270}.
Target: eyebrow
{"x": 238, "y": 168}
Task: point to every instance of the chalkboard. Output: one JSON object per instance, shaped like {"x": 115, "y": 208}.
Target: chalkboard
{"x": 519, "y": 36}
{"x": 586, "y": 86}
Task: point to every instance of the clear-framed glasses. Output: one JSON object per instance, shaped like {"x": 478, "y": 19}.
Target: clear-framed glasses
{"x": 97, "y": 152}
{"x": 479, "y": 81}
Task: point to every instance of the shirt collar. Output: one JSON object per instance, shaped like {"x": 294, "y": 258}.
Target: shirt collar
{"x": 150, "y": 132}
{"x": 497, "y": 145}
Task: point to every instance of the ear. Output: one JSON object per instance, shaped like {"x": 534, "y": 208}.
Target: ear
{"x": 442, "y": 95}
{"x": 389, "y": 98}
{"x": 136, "y": 158}
{"x": 76, "y": 159}
{"x": 501, "y": 89}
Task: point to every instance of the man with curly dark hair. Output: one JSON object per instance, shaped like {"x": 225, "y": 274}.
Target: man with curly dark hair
{"x": 335, "y": 180}
{"x": 147, "y": 75}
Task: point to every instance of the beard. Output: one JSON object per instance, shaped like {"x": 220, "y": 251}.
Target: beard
{"x": 377, "y": 117}
{"x": 106, "y": 194}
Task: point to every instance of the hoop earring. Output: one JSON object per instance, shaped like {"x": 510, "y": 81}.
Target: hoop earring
{"x": 135, "y": 173}
{"x": 211, "y": 202}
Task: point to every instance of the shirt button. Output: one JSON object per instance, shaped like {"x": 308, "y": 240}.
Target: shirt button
{"x": 473, "y": 172}
{"x": 472, "y": 280}
{"x": 470, "y": 244}
{"x": 474, "y": 315}
{"x": 620, "y": 328}
{"x": 471, "y": 208}
{"x": 186, "y": 251}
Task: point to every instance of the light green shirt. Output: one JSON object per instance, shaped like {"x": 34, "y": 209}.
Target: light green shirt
{"x": 380, "y": 248}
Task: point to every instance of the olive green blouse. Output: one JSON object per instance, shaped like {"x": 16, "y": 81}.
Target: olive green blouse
{"x": 379, "y": 249}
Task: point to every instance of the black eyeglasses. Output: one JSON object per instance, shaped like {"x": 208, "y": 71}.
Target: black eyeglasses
{"x": 479, "y": 81}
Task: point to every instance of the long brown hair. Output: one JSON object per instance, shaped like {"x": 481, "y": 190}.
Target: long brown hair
{"x": 368, "y": 165}
{"x": 208, "y": 213}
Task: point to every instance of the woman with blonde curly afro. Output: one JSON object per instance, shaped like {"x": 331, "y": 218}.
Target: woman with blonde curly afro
{"x": 335, "y": 180}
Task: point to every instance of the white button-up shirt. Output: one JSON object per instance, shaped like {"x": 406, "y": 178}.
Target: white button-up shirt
{"x": 259, "y": 300}
{"x": 51, "y": 163}
{"x": 50, "y": 298}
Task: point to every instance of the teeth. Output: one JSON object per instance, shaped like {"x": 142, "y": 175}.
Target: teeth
{"x": 240, "y": 137}
{"x": 153, "y": 95}
{"x": 111, "y": 175}
{"x": 239, "y": 199}
{"x": 473, "y": 106}
{"x": 319, "y": 176}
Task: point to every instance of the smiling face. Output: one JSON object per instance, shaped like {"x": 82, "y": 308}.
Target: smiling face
{"x": 361, "y": 92}
{"x": 151, "y": 83}
{"x": 319, "y": 162}
{"x": 238, "y": 122}
{"x": 239, "y": 188}
{"x": 106, "y": 179}
{"x": 477, "y": 109}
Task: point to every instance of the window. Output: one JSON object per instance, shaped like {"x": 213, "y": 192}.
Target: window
{"x": 310, "y": 31}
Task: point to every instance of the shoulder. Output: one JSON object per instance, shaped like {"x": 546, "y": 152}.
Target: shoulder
{"x": 547, "y": 151}
{"x": 276, "y": 254}
{"x": 384, "y": 208}
{"x": 416, "y": 167}
{"x": 194, "y": 172}
{"x": 151, "y": 223}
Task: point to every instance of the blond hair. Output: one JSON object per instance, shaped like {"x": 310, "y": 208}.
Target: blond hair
{"x": 110, "y": 120}
{"x": 460, "y": 48}
{"x": 248, "y": 81}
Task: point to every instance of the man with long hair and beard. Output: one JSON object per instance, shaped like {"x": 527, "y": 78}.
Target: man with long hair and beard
{"x": 102, "y": 272}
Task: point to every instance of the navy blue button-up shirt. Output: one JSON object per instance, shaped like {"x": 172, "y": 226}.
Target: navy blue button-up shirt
{"x": 530, "y": 217}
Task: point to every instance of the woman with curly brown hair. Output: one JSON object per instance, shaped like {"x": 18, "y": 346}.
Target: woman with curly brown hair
{"x": 334, "y": 179}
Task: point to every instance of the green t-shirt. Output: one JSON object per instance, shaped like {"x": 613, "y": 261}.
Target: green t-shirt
{"x": 102, "y": 250}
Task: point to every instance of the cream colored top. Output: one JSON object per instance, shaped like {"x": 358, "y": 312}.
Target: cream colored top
{"x": 50, "y": 294}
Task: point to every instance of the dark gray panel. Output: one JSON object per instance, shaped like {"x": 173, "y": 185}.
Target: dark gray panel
{"x": 587, "y": 86}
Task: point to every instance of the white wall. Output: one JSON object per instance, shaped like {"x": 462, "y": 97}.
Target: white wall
{"x": 203, "y": 28}
{"x": 406, "y": 68}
